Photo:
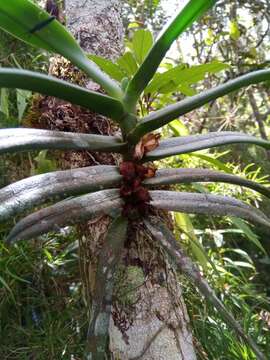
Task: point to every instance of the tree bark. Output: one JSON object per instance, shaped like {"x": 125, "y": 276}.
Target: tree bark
{"x": 258, "y": 117}
{"x": 148, "y": 314}
{"x": 257, "y": 114}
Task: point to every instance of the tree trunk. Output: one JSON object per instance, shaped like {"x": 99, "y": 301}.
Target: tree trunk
{"x": 258, "y": 117}
{"x": 257, "y": 114}
{"x": 148, "y": 315}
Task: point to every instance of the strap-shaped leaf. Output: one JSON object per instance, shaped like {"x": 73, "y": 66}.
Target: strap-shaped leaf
{"x": 208, "y": 204}
{"x": 162, "y": 117}
{"x": 170, "y": 80}
{"x": 109, "y": 256}
{"x": 48, "y": 85}
{"x": 185, "y": 18}
{"x": 186, "y": 266}
{"x": 187, "y": 176}
{"x": 22, "y": 139}
{"x": 109, "y": 67}
{"x": 30, "y": 23}
{"x": 35, "y": 190}
{"x": 67, "y": 212}
{"x": 186, "y": 144}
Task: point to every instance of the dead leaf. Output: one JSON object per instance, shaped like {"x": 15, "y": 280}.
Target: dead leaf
{"x": 147, "y": 143}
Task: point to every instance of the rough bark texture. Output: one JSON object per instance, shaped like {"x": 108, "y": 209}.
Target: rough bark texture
{"x": 258, "y": 117}
{"x": 149, "y": 318}
{"x": 149, "y": 311}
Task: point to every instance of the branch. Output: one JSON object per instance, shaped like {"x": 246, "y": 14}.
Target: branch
{"x": 265, "y": 33}
{"x": 256, "y": 112}
{"x": 185, "y": 265}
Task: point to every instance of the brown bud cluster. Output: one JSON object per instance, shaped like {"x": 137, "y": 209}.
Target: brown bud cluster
{"x": 135, "y": 195}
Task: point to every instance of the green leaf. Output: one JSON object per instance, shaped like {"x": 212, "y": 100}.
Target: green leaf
{"x": 48, "y": 255}
{"x": 36, "y": 190}
{"x": 234, "y": 30}
{"x": 21, "y": 17}
{"x": 180, "y": 23}
{"x": 6, "y": 286}
{"x": 240, "y": 224}
{"x": 170, "y": 80}
{"x": 22, "y": 101}
{"x": 24, "y": 139}
{"x": 162, "y": 117}
{"x": 179, "y": 128}
{"x": 67, "y": 212}
{"x": 184, "y": 223}
{"x": 4, "y": 102}
{"x": 213, "y": 161}
{"x": 237, "y": 264}
{"x": 44, "y": 165}
{"x": 48, "y": 85}
{"x": 16, "y": 277}
{"x": 142, "y": 42}
{"x": 133, "y": 25}
{"x": 186, "y": 90}
{"x": 186, "y": 144}
{"x": 110, "y": 68}
{"x": 128, "y": 64}
{"x": 210, "y": 39}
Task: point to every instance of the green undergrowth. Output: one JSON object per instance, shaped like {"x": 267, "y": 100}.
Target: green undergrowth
{"x": 41, "y": 303}
{"x": 43, "y": 315}
{"x": 236, "y": 283}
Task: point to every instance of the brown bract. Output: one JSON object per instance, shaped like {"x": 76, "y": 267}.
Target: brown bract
{"x": 135, "y": 195}
{"x": 147, "y": 143}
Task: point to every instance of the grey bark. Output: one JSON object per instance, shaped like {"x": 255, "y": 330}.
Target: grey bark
{"x": 97, "y": 25}
{"x": 258, "y": 117}
{"x": 257, "y": 114}
{"x": 149, "y": 319}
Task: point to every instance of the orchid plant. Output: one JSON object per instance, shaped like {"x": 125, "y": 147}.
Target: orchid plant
{"x": 124, "y": 191}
